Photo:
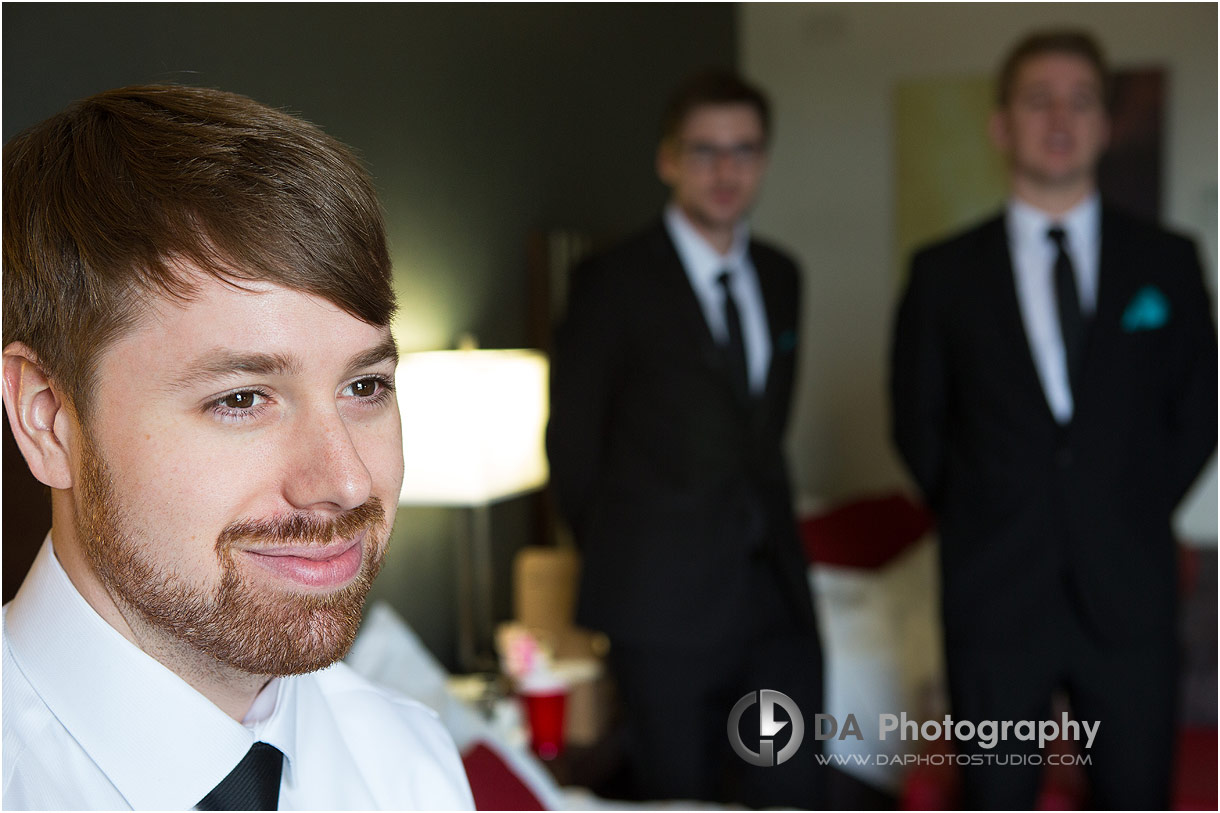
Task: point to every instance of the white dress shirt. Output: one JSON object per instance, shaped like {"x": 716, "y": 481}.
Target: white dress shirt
{"x": 1033, "y": 261}
{"x": 92, "y": 722}
{"x": 704, "y": 266}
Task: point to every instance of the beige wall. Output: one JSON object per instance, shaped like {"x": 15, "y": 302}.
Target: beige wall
{"x": 831, "y": 70}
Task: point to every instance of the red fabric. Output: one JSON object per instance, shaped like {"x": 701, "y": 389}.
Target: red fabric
{"x": 1188, "y": 570}
{"x": 933, "y": 787}
{"x": 493, "y": 784}
{"x": 1194, "y": 781}
{"x": 938, "y": 787}
{"x": 1066, "y": 787}
{"x": 865, "y": 533}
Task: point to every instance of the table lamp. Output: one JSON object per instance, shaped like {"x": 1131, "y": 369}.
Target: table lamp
{"x": 473, "y": 434}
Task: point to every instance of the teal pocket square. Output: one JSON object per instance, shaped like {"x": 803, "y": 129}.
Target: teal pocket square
{"x": 786, "y": 341}
{"x": 1147, "y": 310}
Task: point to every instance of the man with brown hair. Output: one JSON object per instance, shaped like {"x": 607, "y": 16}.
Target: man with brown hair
{"x": 1054, "y": 395}
{"x": 198, "y": 363}
{"x": 670, "y": 394}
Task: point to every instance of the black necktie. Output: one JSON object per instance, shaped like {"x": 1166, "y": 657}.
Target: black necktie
{"x": 253, "y": 785}
{"x": 735, "y": 348}
{"x": 1071, "y": 321}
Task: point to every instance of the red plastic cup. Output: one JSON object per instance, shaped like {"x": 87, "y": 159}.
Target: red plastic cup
{"x": 544, "y": 710}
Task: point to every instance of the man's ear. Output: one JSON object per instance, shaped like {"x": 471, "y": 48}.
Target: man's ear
{"x": 39, "y": 417}
{"x": 667, "y": 159}
{"x": 997, "y": 129}
{"x": 1107, "y": 132}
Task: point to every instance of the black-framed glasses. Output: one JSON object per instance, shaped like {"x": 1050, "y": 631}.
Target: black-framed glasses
{"x": 703, "y": 154}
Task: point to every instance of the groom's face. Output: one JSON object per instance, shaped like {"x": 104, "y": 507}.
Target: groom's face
{"x": 236, "y": 480}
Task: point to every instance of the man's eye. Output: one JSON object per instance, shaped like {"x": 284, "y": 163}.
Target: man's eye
{"x": 239, "y": 400}
{"x": 1037, "y": 101}
{"x": 239, "y": 405}
{"x": 746, "y": 153}
{"x": 364, "y": 388}
{"x": 1085, "y": 102}
{"x": 372, "y": 387}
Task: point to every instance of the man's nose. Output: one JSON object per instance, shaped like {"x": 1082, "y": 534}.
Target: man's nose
{"x": 726, "y": 166}
{"x": 1061, "y": 111}
{"x": 325, "y": 470}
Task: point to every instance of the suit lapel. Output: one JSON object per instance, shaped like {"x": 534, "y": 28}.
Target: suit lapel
{"x": 687, "y": 312}
{"x": 1114, "y": 288}
{"x": 777, "y": 326}
{"x": 1015, "y": 352}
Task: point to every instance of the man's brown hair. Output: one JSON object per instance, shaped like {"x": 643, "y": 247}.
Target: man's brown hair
{"x": 1068, "y": 41}
{"x": 105, "y": 202}
{"x": 713, "y": 87}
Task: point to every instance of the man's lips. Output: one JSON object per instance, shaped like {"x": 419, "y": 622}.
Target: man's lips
{"x": 314, "y": 566}
{"x": 1059, "y": 142}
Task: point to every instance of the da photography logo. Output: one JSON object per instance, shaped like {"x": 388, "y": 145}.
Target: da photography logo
{"x": 768, "y": 727}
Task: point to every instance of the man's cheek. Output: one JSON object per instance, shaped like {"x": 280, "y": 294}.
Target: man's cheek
{"x": 381, "y": 454}
{"x": 190, "y": 493}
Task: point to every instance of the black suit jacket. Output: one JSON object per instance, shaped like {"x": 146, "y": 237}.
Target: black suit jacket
{"x": 1026, "y": 506}
{"x": 671, "y": 479}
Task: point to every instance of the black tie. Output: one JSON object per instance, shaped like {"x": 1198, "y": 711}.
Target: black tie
{"x": 735, "y": 348}
{"x": 253, "y": 785}
{"x": 1071, "y": 320}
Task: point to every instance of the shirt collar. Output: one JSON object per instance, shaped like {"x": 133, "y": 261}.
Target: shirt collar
{"x": 273, "y": 718}
{"x": 1082, "y": 223}
{"x": 700, "y": 259}
{"x": 163, "y": 744}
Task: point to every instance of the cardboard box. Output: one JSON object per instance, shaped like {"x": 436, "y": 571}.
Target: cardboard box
{"x": 544, "y": 601}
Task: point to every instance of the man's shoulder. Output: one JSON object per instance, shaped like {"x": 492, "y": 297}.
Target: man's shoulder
{"x": 340, "y": 684}
{"x": 364, "y": 707}
{"x": 652, "y": 245}
{"x": 646, "y": 246}
{"x": 767, "y": 255}
{"x": 399, "y": 742}
{"x": 624, "y": 268}
{"x": 1124, "y": 225}
{"x": 27, "y": 719}
{"x": 40, "y": 753}
{"x": 962, "y": 244}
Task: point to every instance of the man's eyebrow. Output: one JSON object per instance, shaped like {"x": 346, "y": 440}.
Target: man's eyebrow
{"x": 221, "y": 363}
{"x": 218, "y": 364}
{"x": 386, "y": 350}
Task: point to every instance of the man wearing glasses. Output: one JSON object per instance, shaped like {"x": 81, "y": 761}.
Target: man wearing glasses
{"x": 670, "y": 394}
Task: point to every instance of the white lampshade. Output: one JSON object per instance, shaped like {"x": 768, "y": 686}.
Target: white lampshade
{"x": 473, "y": 425}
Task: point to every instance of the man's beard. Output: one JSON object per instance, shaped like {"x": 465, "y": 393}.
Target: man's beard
{"x": 240, "y": 623}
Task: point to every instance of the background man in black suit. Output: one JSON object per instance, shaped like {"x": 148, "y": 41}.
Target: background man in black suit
{"x": 1054, "y": 395}
{"x": 670, "y": 393}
